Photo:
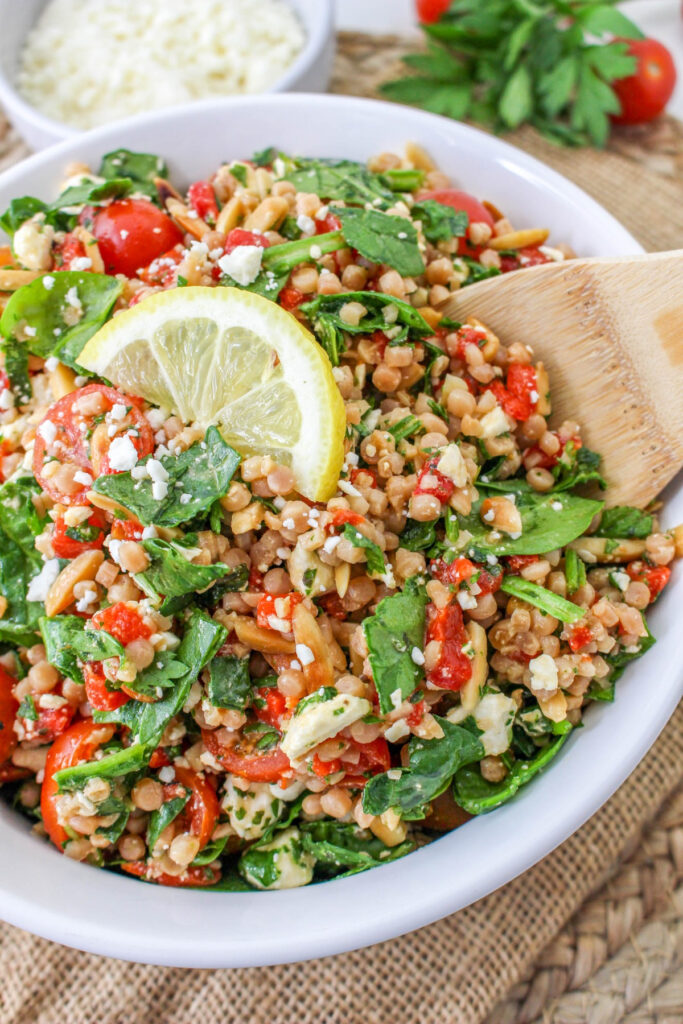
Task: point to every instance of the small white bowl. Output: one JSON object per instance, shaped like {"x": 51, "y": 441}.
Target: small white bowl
{"x": 120, "y": 917}
{"x": 310, "y": 72}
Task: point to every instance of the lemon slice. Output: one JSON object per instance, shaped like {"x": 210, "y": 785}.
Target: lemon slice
{"x": 235, "y": 359}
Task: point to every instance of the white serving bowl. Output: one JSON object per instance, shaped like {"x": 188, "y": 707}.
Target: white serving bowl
{"x": 120, "y": 917}
{"x": 310, "y": 72}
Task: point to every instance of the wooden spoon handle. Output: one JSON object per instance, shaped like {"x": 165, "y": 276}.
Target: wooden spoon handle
{"x": 610, "y": 332}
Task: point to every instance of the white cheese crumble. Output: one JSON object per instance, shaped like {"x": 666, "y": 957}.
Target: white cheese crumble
{"x": 397, "y": 731}
{"x": 543, "y": 673}
{"x": 87, "y": 63}
{"x": 417, "y": 657}
{"x": 293, "y": 866}
{"x": 48, "y": 284}
{"x": 452, "y": 465}
{"x": 494, "y": 423}
{"x": 39, "y": 586}
{"x": 321, "y": 721}
{"x": 494, "y": 715}
{"x": 305, "y": 224}
{"x": 122, "y": 454}
{"x": 81, "y": 477}
{"x": 48, "y": 431}
{"x": 6, "y": 400}
{"x": 251, "y": 810}
{"x": 167, "y": 773}
{"x": 304, "y": 654}
{"x": 81, "y": 263}
{"x": 466, "y": 600}
{"x": 243, "y": 263}
{"x": 621, "y": 580}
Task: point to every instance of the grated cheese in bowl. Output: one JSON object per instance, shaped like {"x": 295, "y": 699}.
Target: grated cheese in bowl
{"x": 90, "y": 61}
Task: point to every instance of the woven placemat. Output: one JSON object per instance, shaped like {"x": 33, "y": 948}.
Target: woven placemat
{"x": 536, "y": 945}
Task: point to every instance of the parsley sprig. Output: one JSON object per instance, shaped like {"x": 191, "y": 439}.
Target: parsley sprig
{"x": 550, "y": 63}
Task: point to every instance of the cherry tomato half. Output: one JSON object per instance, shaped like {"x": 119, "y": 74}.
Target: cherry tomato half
{"x": 131, "y": 233}
{"x": 197, "y": 876}
{"x": 8, "y": 712}
{"x": 453, "y": 668}
{"x": 70, "y": 436}
{"x": 123, "y": 622}
{"x": 243, "y": 759}
{"x": 71, "y": 541}
{"x": 202, "y": 809}
{"x": 77, "y": 744}
{"x": 645, "y": 94}
{"x": 100, "y": 697}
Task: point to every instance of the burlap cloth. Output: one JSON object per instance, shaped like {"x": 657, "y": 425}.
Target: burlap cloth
{"x": 455, "y": 971}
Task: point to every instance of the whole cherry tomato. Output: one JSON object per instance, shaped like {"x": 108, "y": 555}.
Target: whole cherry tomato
{"x": 645, "y": 94}
{"x": 131, "y": 233}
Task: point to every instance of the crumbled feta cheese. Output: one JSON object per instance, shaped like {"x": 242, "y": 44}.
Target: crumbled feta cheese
{"x": 533, "y": 395}
{"x": 306, "y": 224}
{"x": 159, "y": 490}
{"x": 349, "y": 489}
{"x": 156, "y": 417}
{"x": 81, "y": 263}
{"x": 494, "y": 423}
{"x": 30, "y": 332}
{"x": 149, "y": 533}
{"x": 396, "y": 698}
{"x": 72, "y": 299}
{"x": 48, "y": 431}
{"x": 315, "y": 252}
{"x": 122, "y": 454}
{"x": 51, "y": 363}
{"x": 330, "y": 544}
{"x": 156, "y": 471}
{"x": 88, "y": 598}
{"x": 251, "y": 810}
{"x": 489, "y": 516}
{"x": 243, "y": 263}
{"x": 118, "y": 411}
{"x": 6, "y": 400}
{"x": 167, "y": 773}
{"x": 452, "y": 465}
{"x": 544, "y": 674}
{"x": 466, "y": 600}
{"x": 304, "y": 654}
{"x": 556, "y": 506}
{"x": 397, "y": 731}
{"x": 320, "y": 721}
{"x": 185, "y": 499}
{"x": 48, "y": 282}
{"x": 288, "y": 524}
{"x": 39, "y": 586}
{"x": 81, "y": 477}
{"x": 494, "y": 715}
{"x": 620, "y": 579}
{"x": 417, "y": 656}
{"x": 139, "y": 472}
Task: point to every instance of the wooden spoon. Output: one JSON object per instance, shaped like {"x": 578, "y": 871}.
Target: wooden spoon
{"x": 610, "y": 333}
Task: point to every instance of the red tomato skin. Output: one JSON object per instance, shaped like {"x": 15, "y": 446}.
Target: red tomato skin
{"x": 62, "y": 415}
{"x": 127, "y": 235}
{"x": 191, "y": 877}
{"x": 163, "y": 270}
{"x": 202, "y": 809}
{"x": 78, "y": 743}
{"x": 333, "y": 606}
{"x": 124, "y": 623}
{"x": 71, "y": 248}
{"x": 99, "y": 696}
{"x": 454, "y": 668}
{"x": 8, "y": 712}
{"x": 275, "y": 705}
{"x": 454, "y": 572}
{"x": 267, "y": 767}
{"x": 529, "y": 256}
{"x": 644, "y": 95}
{"x": 655, "y": 577}
{"x": 324, "y": 768}
{"x": 342, "y": 516}
{"x": 579, "y": 636}
{"x": 203, "y": 201}
{"x": 126, "y": 529}
{"x": 290, "y": 298}
{"x": 238, "y": 236}
{"x": 431, "y": 481}
{"x": 68, "y": 547}
{"x": 515, "y": 563}
{"x": 266, "y": 607}
{"x": 430, "y": 11}
{"x": 476, "y": 213}
{"x": 326, "y": 224}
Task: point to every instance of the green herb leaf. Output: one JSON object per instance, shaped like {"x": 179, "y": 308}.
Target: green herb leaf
{"x": 391, "y": 633}
{"x": 621, "y": 658}
{"x": 342, "y": 849}
{"x": 382, "y": 238}
{"x": 339, "y": 179}
{"x": 68, "y": 642}
{"x": 170, "y": 573}
{"x": 230, "y": 682}
{"x": 546, "y": 600}
{"x": 516, "y": 103}
{"x": 625, "y": 521}
{"x": 203, "y": 471}
{"x": 439, "y": 223}
{"x": 167, "y": 813}
{"x": 18, "y": 211}
{"x": 374, "y": 555}
{"x": 574, "y": 570}
{"x": 142, "y": 168}
{"x": 418, "y": 536}
{"x": 476, "y": 796}
{"x": 431, "y": 766}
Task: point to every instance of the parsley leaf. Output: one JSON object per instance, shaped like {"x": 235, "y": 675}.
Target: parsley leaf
{"x": 397, "y": 626}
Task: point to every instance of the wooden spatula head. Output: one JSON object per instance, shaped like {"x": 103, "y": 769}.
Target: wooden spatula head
{"x": 610, "y": 333}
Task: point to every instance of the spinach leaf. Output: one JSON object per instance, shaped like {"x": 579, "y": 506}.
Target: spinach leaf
{"x": 236, "y": 579}
{"x": 229, "y": 882}
{"x": 475, "y": 270}
{"x": 574, "y": 570}
{"x": 18, "y": 211}
{"x": 211, "y": 852}
{"x": 265, "y": 157}
{"x": 439, "y": 222}
{"x": 42, "y": 309}
{"x": 171, "y": 575}
{"x": 418, "y": 536}
{"x": 114, "y": 831}
{"x": 548, "y": 520}
{"x": 391, "y": 633}
{"x": 160, "y": 675}
{"x": 113, "y": 765}
{"x": 68, "y": 641}
{"x": 346, "y": 848}
{"x": 203, "y": 471}
{"x": 16, "y": 368}
{"x": 142, "y": 168}
{"x": 578, "y": 466}
{"x": 624, "y": 521}
{"x": 475, "y": 795}
{"x": 168, "y": 812}
{"x": 540, "y": 597}
{"x": 328, "y": 307}
{"x": 374, "y": 555}
{"x": 20, "y": 524}
{"x": 431, "y": 766}
{"x": 90, "y": 193}
{"x": 202, "y": 639}
{"x": 339, "y": 179}
{"x": 27, "y": 709}
{"x": 382, "y": 238}
{"x": 229, "y": 682}
{"x": 19, "y": 518}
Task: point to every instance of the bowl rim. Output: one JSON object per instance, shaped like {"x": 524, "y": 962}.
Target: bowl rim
{"x": 401, "y": 901}
{"x": 318, "y": 24}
